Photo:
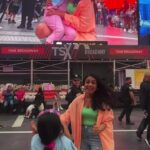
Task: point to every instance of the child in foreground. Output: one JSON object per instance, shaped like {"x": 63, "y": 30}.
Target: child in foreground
{"x": 50, "y": 134}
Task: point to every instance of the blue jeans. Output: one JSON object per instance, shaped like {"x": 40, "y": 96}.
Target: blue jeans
{"x": 8, "y": 102}
{"x": 90, "y": 141}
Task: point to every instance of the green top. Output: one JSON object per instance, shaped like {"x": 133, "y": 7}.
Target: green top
{"x": 89, "y": 116}
{"x": 71, "y": 8}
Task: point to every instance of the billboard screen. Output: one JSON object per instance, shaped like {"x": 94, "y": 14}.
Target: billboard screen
{"x": 144, "y": 17}
{"x": 115, "y": 21}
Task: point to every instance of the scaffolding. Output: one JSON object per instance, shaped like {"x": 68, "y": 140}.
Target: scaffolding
{"x": 59, "y": 71}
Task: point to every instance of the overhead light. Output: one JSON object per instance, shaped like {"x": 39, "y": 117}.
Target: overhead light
{"x": 58, "y": 43}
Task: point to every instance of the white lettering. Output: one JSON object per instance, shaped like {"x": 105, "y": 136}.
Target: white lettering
{"x": 95, "y": 52}
{"x": 63, "y": 51}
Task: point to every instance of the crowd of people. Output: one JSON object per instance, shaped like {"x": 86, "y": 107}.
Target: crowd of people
{"x": 95, "y": 101}
{"x": 29, "y": 10}
{"x": 123, "y": 17}
{"x": 89, "y": 112}
{"x": 67, "y": 20}
{"x": 87, "y": 122}
{"x": 13, "y": 101}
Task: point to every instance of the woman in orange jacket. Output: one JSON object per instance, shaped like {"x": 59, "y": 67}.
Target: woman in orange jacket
{"x": 82, "y": 20}
{"x": 91, "y": 117}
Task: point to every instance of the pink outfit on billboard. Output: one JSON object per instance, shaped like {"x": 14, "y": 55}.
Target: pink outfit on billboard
{"x": 55, "y": 23}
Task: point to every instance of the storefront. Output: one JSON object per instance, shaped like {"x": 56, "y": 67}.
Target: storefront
{"x": 40, "y": 63}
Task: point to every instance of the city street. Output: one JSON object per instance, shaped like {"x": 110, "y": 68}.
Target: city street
{"x": 9, "y": 34}
{"x": 17, "y": 134}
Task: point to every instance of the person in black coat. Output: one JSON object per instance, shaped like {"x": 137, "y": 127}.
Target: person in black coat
{"x": 74, "y": 90}
{"x": 146, "y": 104}
{"x": 39, "y": 98}
{"x": 27, "y": 11}
{"x": 128, "y": 100}
{"x": 144, "y": 122}
{"x": 39, "y": 103}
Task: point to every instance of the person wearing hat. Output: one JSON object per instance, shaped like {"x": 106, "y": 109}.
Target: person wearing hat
{"x": 75, "y": 89}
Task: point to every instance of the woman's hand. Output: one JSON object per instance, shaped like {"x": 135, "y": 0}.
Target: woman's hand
{"x": 66, "y": 132}
{"x": 51, "y": 11}
{"x": 33, "y": 127}
{"x": 97, "y": 129}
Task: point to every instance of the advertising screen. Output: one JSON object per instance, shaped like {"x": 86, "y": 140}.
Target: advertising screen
{"x": 144, "y": 17}
{"x": 114, "y": 21}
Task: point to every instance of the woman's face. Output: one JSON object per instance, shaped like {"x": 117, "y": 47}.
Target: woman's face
{"x": 90, "y": 85}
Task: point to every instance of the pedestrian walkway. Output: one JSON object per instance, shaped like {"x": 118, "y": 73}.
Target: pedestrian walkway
{"x": 124, "y": 135}
{"x": 10, "y": 34}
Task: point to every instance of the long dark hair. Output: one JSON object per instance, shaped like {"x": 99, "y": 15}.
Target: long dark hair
{"x": 40, "y": 91}
{"x": 102, "y": 97}
{"x": 49, "y": 128}
{"x": 75, "y": 2}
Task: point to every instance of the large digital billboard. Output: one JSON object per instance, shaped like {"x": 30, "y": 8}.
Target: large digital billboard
{"x": 144, "y": 17}
{"x": 115, "y": 21}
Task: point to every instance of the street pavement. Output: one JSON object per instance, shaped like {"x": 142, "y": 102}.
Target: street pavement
{"x": 19, "y": 138}
{"x": 10, "y": 34}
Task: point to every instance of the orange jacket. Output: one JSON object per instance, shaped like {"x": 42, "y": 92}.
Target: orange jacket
{"x": 83, "y": 21}
{"x": 73, "y": 115}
